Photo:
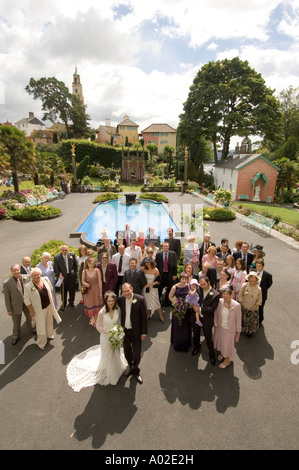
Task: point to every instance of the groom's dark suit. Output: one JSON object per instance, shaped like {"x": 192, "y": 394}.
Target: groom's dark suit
{"x": 138, "y": 319}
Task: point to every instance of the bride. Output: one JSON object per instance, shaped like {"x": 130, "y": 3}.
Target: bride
{"x": 99, "y": 364}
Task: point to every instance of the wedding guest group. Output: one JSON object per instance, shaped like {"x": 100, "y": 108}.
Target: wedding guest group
{"x": 220, "y": 293}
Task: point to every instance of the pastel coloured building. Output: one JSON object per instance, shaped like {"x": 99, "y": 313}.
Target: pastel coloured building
{"x": 161, "y": 135}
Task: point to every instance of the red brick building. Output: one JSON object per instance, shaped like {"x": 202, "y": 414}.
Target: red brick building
{"x": 251, "y": 177}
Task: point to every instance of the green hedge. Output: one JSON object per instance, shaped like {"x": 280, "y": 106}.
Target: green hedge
{"x": 154, "y": 197}
{"x": 105, "y": 197}
{"x": 36, "y": 213}
{"x": 218, "y": 213}
{"x": 105, "y": 155}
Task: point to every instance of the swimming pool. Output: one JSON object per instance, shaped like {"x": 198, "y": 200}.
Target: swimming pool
{"x": 113, "y": 215}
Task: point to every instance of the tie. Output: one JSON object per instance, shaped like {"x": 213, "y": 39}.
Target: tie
{"x": 120, "y": 264}
{"x": 128, "y": 239}
{"x": 244, "y": 258}
{"x": 20, "y": 286}
{"x": 66, "y": 264}
{"x": 165, "y": 269}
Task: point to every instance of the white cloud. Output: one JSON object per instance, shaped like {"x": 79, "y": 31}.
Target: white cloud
{"x": 49, "y": 38}
{"x": 212, "y": 46}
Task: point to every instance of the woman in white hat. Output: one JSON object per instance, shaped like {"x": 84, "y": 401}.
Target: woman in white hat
{"x": 250, "y": 298}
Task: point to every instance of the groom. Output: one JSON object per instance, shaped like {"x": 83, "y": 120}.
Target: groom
{"x": 134, "y": 320}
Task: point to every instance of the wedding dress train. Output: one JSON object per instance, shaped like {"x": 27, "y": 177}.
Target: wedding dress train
{"x": 98, "y": 364}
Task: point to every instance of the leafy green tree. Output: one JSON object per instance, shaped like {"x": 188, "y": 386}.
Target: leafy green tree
{"x": 79, "y": 118}
{"x": 288, "y": 174}
{"x": 229, "y": 98}
{"x": 19, "y": 152}
{"x": 56, "y": 99}
{"x": 289, "y": 103}
{"x": 168, "y": 154}
{"x": 153, "y": 152}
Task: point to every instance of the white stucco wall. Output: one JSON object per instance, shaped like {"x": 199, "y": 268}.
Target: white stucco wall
{"x": 226, "y": 178}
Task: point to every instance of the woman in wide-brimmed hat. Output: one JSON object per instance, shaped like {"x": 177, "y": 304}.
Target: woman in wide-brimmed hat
{"x": 250, "y": 298}
{"x": 258, "y": 254}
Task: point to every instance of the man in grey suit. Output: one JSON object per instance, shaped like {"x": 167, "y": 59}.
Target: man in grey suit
{"x": 13, "y": 289}
{"x": 135, "y": 276}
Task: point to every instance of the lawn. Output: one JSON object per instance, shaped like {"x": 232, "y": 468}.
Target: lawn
{"x": 22, "y": 185}
{"x": 288, "y": 216}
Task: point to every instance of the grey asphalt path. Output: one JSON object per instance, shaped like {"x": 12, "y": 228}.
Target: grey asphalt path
{"x": 184, "y": 402}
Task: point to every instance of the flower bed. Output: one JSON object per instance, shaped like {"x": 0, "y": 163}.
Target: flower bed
{"x": 36, "y": 213}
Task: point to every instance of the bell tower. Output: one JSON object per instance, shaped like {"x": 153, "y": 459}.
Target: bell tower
{"x": 76, "y": 86}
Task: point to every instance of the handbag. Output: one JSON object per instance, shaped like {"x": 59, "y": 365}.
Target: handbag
{"x": 84, "y": 290}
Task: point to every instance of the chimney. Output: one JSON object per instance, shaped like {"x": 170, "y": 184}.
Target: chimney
{"x": 108, "y": 122}
{"x": 31, "y": 115}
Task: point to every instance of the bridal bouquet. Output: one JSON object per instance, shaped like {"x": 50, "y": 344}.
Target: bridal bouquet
{"x": 179, "y": 309}
{"x": 116, "y": 336}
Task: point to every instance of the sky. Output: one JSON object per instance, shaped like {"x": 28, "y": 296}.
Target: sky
{"x": 139, "y": 57}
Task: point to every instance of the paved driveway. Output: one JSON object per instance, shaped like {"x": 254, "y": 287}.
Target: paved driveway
{"x": 184, "y": 403}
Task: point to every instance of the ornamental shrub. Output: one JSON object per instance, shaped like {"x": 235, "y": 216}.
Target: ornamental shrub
{"x": 218, "y": 213}
{"x": 154, "y": 196}
{"x": 36, "y": 213}
{"x": 105, "y": 197}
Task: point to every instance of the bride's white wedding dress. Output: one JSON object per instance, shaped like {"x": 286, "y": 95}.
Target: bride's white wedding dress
{"x": 98, "y": 364}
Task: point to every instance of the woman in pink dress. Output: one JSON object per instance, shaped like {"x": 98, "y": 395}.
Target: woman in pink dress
{"x": 239, "y": 277}
{"x": 227, "y": 324}
{"x": 210, "y": 257}
{"x": 93, "y": 299}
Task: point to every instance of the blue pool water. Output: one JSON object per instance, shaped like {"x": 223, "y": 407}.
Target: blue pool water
{"x": 113, "y": 215}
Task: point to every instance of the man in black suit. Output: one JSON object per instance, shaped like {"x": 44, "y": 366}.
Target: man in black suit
{"x": 65, "y": 267}
{"x": 246, "y": 255}
{"x": 174, "y": 243}
{"x": 126, "y": 234}
{"x": 26, "y": 265}
{"x": 203, "y": 247}
{"x": 135, "y": 276}
{"x": 265, "y": 284}
{"x": 224, "y": 241}
{"x": 209, "y": 299}
{"x": 134, "y": 320}
{"x": 223, "y": 252}
{"x": 167, "y": 265}
{"x": 214, "y": 273}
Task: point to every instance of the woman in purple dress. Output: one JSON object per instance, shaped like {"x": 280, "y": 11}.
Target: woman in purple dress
{"x": 180, "y": 325}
